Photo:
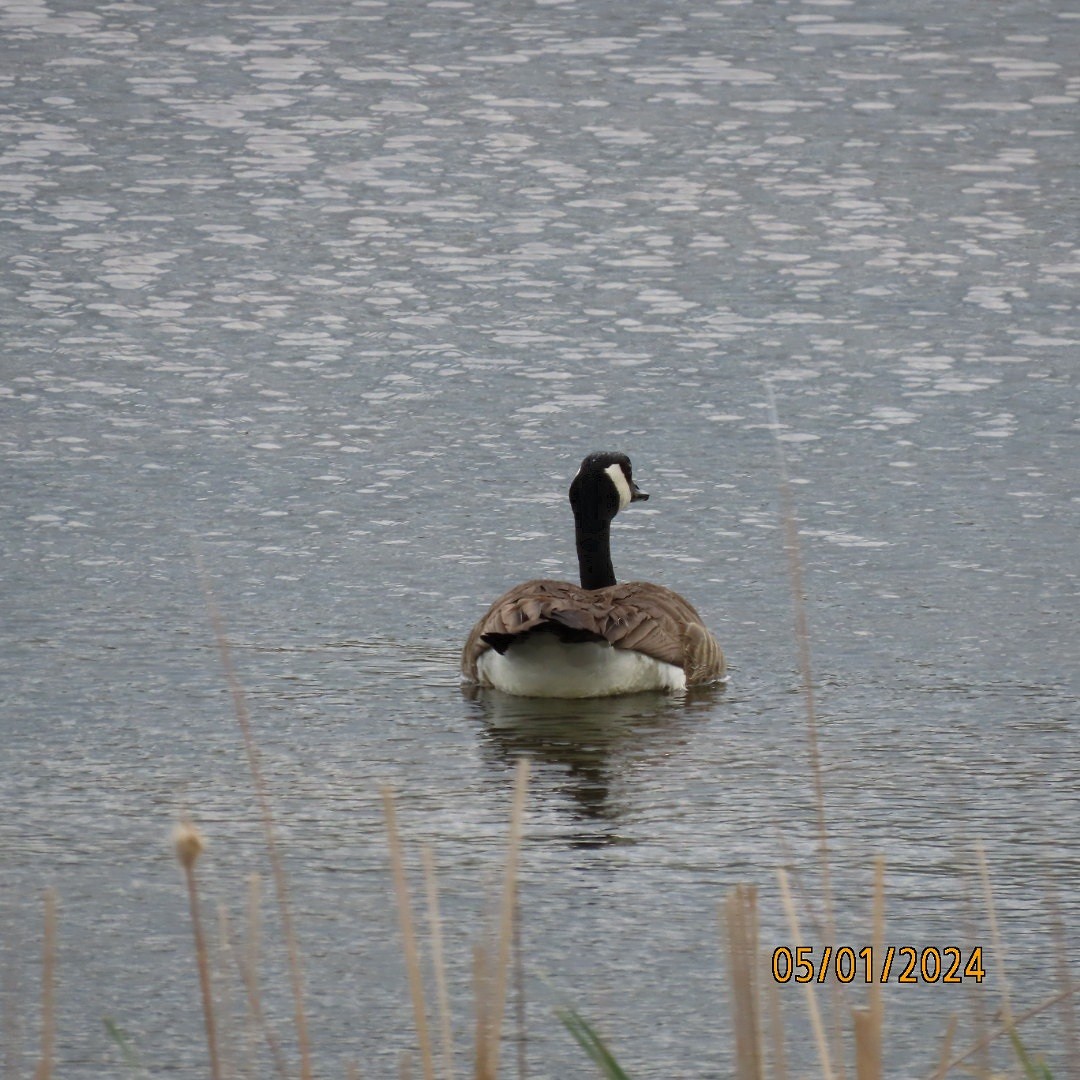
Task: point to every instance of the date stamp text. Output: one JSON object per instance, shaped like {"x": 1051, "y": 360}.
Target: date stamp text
{"x": 904, "y": 963}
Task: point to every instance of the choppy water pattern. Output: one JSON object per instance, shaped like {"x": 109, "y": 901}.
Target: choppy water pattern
{"x": 338, "y": 294}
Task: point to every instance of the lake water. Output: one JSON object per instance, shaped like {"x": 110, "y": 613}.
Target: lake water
{"x": 339, "y": 294}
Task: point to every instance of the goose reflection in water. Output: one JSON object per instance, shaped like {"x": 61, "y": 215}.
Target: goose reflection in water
{"x": 591, "y": 744}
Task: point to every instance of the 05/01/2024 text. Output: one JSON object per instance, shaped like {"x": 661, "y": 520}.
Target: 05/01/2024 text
{"x": 906, "y": 963}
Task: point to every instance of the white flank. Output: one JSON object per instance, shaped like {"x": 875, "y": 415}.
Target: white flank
{"x": 543, "y": 666}
{"x": 618, "y": 478}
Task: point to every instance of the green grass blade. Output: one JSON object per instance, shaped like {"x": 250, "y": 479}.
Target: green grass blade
{"x": 127, "y": 1051}
{"x": 591, "y": 1043}
{"x": 1033, "y": 1070}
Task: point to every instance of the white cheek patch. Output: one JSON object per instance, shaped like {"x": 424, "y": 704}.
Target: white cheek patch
{"x": 618, "y": 478}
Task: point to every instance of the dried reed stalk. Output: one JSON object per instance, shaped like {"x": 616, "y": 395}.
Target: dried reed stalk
{"x": 947, "y": 1043}
{"x": 223, "y": 970}
{"x": 866, "y": 1060}
{"x": 1068, "y": 1010}
{"x": 519, "y": 994}
{"x": 869, "y": 1023}
{"x": 408, "y": 933}
{"x": 482, "y": 1009}
{"x": 9, "y": 991}
{"x": 506, "y": 916}
{"x": 802, "y": 638}
{"x": 48, "y": 989}
{"x": 776, "y": 1032}
{"x": 811, "y": 999}
{"x": 277, "y": 868}
{"x": 995, "y": 935}
{"x": 741, "y": 921}
{"x": 189, "y": 845}
{"x": 980, "y": 1068}
{"x": 249, "y": 974}
{"x": 1004, "y": 1028}
{"x": 438, "y": 962}
{"x": 247, "y": 961}
{"x": 1010, "y": 1021}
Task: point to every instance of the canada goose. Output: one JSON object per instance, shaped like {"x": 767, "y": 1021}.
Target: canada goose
{"x": 555, "y": 639}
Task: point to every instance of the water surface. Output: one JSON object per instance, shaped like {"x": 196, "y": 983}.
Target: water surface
{"x": 339, "y": 295}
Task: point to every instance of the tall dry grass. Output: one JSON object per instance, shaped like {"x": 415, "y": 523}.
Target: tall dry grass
{"x": 189, "y": 844}
{"x": 828, "y": 1019}
{"x": 758, "y": 1022}
{"x": 277, "y": 866}
{"x": 44, "y": 1070}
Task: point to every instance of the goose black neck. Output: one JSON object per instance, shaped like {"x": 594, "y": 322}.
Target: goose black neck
{"x": 594, "y": 553}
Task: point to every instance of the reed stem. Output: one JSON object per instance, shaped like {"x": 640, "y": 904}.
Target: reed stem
{"x": 741, "y": 919}
{"x": 995, "y": 934}
{"x": 506, "y": 920}
{"x": 48, "y": 989}
{"x": 870, "y": 1022}
{"x": 189, "y": 845}
{"x": 438, "y": 961}
{"x": 811, "y": 999}
{"x": 277, "y": 868}
{"x": 408, "y": 932}
{"x": 802, "y": 638}
{"x": 1068, "y": 1013}
{"x": 249, "y": 975}
{"x": 1004, "y": 1028}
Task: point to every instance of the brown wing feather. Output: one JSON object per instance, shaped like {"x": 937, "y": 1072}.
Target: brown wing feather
{"x": 633, "y": 615}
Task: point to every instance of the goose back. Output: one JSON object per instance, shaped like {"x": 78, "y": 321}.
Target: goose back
{"x": 636, "y": 616}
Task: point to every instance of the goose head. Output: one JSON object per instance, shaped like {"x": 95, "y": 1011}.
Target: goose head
{"x": 603, "y": 486}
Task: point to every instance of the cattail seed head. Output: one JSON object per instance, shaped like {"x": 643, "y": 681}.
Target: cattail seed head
{"x": 188, "y": 843}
